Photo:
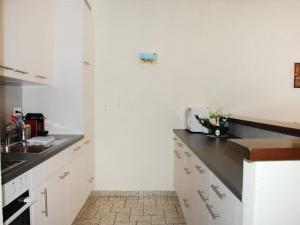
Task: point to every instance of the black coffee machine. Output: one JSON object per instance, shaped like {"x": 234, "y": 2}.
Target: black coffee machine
{"x": 37, "y": 123}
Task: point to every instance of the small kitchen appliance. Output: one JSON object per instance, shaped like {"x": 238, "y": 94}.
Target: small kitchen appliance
{"x": 37, "y": 123}
{"x": 192, "y": 124}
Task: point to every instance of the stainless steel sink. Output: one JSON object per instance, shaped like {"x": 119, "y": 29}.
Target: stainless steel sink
{"x": 24, "y": 147}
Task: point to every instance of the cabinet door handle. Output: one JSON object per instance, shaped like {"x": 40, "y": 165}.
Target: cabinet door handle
{"x": 87, "y": 142}
{"x": 199, "y": 169}
{"x": 175, "y": 139}
{"x": 65, "y": 175}
{"x": 186, "y": 203}
{"x": 6, "y": 67}
{"x": 45, "y": 193}
{"x": 86, "y": 63}
{"x": 216, "y": 190}
{"x": 22, "y": 72}
{"x": 212, "y": 213}
{"x": 187, "y": 171}
{"x": 77, "y": 148}
{"x": 177, "y": 155}
{"x": 188, "y": 154}
{"x": 200, "y": 193}
{"x": 41, "y": 77}
{"x": 91, "y": 180}
{"x": 180, "y": 145}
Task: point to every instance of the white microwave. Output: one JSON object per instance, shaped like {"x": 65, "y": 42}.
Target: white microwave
{"x": 193, "y": 124}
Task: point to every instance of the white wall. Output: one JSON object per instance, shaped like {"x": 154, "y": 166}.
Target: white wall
{"x": 234, "y": 54}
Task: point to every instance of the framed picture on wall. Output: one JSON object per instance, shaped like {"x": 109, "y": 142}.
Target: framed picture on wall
{"x": 297, "y": 75}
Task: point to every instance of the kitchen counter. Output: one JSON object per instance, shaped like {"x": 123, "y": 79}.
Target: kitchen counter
{"x": 32, "y": 160}
{"x": 222, "y": 156}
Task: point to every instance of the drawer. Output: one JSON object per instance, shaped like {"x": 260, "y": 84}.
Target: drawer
{"x": 179, "y": 146}
{"x": 188, "y": 156}
{"x": 202, "y": 176}
{"x": 75, "y": 150}
{"x": 223, "y": 201}
{"x": 55, "y": 163}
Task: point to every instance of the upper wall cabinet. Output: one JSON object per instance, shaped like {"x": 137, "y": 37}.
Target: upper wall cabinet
{"x": 26, "y": 42}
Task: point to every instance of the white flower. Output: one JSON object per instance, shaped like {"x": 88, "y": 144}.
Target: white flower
{"x": 213, "y": 121}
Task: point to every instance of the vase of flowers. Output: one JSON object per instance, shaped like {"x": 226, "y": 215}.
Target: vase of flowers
{"x": 216, "y": 123}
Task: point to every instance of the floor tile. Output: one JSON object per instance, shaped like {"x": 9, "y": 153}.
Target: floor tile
{"x": 121, "y": 210}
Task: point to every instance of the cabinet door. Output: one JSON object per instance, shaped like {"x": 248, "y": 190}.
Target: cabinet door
{"x": 88, "y": 32}
{"x": 9, "y": 36}
{"x": 187, "y": 194}
{"x": 88, "y": 98}
{"x": 57, "y": 193}
{"x": 26, "y": 43}
{"x": 90, "y": 162}
{"x": 76, "y": 185}
{"x": 200, "y": 189}
{"x": 178, "y": 168}
{"x": 37, "y": 39}
{"x": 38, "y": 209}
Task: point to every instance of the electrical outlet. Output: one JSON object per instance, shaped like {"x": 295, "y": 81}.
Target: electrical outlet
{"x": 17, "y": 109}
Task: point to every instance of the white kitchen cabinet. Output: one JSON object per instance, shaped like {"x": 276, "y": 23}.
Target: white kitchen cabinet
{"x": 201, "y": 191}
{"x": 76, "y": 186}
{"x": 61, "y": 185}
{"x": 39, "y": 208}
{"x": 90, "y": 162}
{"x": 178, "y": 167}
{"x": 88, "y": 92}
{"x": 27, "y": 40}
{"x": 204, "y": 199}
{"x": 56, "y": 187}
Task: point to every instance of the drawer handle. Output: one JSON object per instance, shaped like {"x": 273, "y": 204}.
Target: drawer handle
{"x": 186, "y": 203}
{"x": 20, "y": 71}
{"x": 175, "y": 139}
{"x": 180, "y": 145}
{"x": 187, "y": 154}
{"x": 65, "y": 175}
{"x": 86, "y": 63}
{"x": 77, "y": 148}
{"x": 199, "y": 169}
{"x": 87, "y": 142}
{"x": 177, "y": 155}
{"x": 41, "y": 77}
{"x": 187, "y": 171}
{"x": 212, "y": 213}
{"x": 45, "y": 193}
{"x": 6, "y": 67}
{"x": 216, "y": 190}
{"x": 200, "y": 193}
{"x": 91, "y": 180}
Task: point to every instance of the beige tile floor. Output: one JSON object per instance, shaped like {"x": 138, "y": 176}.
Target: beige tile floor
{"x": 131, "y": 211}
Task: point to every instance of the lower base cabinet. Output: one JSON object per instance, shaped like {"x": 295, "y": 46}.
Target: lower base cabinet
{"x": 77, "y": 186}
{"x": 38, "y": 209}
{"x": 62, "y": 194}
{"x": 57, "y": 204}
{"x": 204, "y": 199}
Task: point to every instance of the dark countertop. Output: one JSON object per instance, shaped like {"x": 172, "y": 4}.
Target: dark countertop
{"x": 223, "y": 157}
{"x": 32, "y": 160}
